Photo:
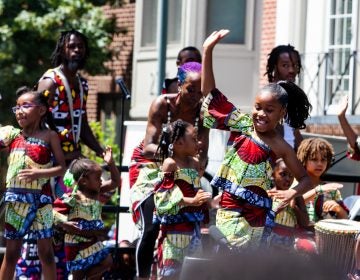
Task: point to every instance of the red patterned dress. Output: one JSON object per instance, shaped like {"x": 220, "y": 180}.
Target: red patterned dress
{"x": 246, "y": 215}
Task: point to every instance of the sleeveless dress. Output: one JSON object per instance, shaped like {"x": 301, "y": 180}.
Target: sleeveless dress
{"x": 28, "y": 204}
{"x": 246, "y": 215}
{"x": 81, "y": 252}
{"x": 179, "y": 225}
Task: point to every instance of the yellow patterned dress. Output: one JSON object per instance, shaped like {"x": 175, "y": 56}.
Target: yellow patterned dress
{"x": 179, "y": 225}
{"x": 246, "y": 215}
{"x": 28, "y": 204}
{"x": 81, "y": 252}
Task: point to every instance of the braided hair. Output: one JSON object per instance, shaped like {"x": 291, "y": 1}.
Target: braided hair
{"x": 309, "y": 148}
{"x": 57, "y": 55}
{"x": 41, "y": 98}
{"x": 274, "y": 56}
{"x": 170, "y": 134}
{"x": 294, "y": 99}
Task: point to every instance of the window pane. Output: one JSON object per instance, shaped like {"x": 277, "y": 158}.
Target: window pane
{"x": 149, "y": 23}
{"x": 227, "y": 14}
{"x": 174, "y": 21}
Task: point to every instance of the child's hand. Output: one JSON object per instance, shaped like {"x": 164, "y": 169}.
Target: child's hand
{"x": 201, "y": 197}
{"x": 214, "y": 38}
{"x": 285, "y": 196}
{"x": 330, "y": 187}
{"x": 71, "y": 227}
{"x": 331, "y": 206}
{"x": 215, "y": 202}
{"x": 107, "y": 155}
{"x": 343, "y": 106}
{"x": 29, "y": 175}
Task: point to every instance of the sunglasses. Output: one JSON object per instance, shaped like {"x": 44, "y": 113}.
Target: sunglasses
{"x": 23, "y": 107}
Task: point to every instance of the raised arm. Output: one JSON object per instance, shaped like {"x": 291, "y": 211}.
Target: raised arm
{"x": 346, "y": 127}
{"x": 115, "y": 180}
{"x": 207, "y": 74}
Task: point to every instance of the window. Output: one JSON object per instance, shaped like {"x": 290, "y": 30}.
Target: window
{"x": 339, "y": 72}
{"x": 227, "y": 14}
{"x": 149, "y": 22}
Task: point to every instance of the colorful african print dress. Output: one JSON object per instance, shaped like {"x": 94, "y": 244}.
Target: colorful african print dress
{"x": 243, "y": 177}
{"x": 28, "y": 204}
{"x": 284, "y": 231}
{"x": 179, "y": 225}
{"x": 143, "y": 174}
{"x": 81, "y": 252}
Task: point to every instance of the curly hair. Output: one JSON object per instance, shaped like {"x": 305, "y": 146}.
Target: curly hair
{"x": 57, "y": 55}
{"x": 310, "y": 147}
{"x": 274, "y": 56}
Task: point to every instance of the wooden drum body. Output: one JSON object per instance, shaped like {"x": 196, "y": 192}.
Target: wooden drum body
{"x": 335, "y": 241}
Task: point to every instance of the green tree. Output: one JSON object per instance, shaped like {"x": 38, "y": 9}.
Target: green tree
{"x": 28, "y": 33}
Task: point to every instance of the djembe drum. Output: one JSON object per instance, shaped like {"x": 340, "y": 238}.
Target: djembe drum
{"x": 335, "y": 241}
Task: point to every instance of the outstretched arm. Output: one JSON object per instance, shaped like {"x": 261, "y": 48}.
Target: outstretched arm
{"x": 207, "y": 74}
{"x": 347, "y": 129}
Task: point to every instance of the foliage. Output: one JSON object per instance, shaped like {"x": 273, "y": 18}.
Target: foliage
{"x": 28, "y": 33}
{"x": 106, "y": 137}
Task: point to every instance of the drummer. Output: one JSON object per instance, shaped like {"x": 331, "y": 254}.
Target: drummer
{"x": 324, "y": 201}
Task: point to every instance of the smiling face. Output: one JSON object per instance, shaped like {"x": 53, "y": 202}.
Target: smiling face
{"x": 28, "y": 112}
{"x": 267, "y": 112}
{"x": 287, "y": 67}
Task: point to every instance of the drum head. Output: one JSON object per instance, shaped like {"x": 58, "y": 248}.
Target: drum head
{"x": 338, "y": 226}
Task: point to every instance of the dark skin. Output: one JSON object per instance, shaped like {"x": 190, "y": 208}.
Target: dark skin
{"x": 74, "y": 49}
{"x": 185, "y": 106}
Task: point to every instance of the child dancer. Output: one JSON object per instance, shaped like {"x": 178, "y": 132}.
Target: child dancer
{"x": 28, "y": 193}
{"x": 324, "y": 200}
{"x": 290, "y": 220}
{"x": 245, "y": 174}
{"x": 79, "y": 214}
{"x": 181, "y": 204}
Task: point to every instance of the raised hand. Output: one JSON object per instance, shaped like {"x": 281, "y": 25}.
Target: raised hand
{"x": 343, "y": 106}
{"x": 214, "y": 38}
{"x": 107, "y": 155}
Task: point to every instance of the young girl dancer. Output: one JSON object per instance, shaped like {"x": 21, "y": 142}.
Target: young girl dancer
{"x": 245, "y": 174}
{"x": 180, "y": 203}
{"x": 324, "y": 201}
{"x": 79, "y": 213}
{"x": 28, "y": 193}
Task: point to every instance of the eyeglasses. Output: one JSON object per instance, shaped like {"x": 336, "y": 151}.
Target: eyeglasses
{"x": 23, "y": 108}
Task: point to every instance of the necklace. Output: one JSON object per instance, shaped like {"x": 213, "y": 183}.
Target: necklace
{"x": 197, "y": 118}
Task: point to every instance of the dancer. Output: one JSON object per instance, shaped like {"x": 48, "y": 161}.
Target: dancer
{"x": 181, "y": 204}
{"x": 324, "y": 201}
{"x": 33, "y": 149}
{"x": 245, "y": 174}
{"x": 144, "y": 168}
{"x": 79, "y": 214}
